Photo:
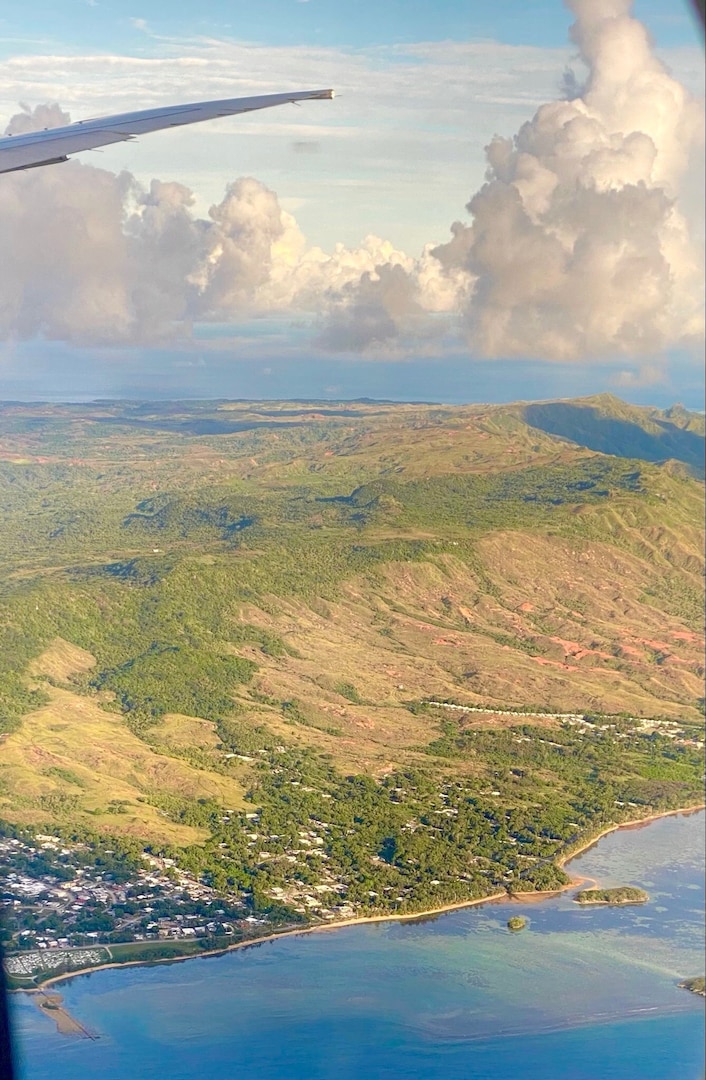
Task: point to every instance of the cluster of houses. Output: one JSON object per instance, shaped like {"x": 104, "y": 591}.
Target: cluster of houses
{"x": 27, "y": 965}
{"x": 28, "y": 899}
{"x": 47, "y": 913}
{"x": 324, "y": 899}
{"x": 669, "y": 728}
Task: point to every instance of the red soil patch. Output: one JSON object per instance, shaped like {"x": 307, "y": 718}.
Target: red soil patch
{"x": 577, "y": 652}
{"x": 665, "y": 647}
{"x": 553, "y": 663}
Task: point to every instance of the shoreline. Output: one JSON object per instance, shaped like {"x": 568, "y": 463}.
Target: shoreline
{"x": 296, "y": 931}
{"x": 493, "y": 898}
{"x": 627, "y": 825}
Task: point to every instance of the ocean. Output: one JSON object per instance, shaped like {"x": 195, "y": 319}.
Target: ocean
{"x": 580, "y": 994}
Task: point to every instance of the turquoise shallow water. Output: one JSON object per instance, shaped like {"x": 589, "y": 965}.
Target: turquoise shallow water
{"x": 582, "y": 994}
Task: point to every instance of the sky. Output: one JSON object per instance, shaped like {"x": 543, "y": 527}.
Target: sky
{"x": 494, "y": 206}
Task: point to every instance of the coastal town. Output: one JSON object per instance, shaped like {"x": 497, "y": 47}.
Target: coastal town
{"x": 318, "y": 850}
{"x": 60, "y": 914}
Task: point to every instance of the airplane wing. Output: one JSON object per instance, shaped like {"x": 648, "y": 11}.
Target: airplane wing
{"x": 55, "y": 144}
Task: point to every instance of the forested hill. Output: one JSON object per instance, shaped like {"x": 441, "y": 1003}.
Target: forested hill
{"x": 227, "y": 607}
{"x": 606, "y": 424}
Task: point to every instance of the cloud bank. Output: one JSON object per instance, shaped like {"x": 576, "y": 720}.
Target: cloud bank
{"x": 580, "y": 244}
{"x": 91, "y": 257}
{"x": 584, "y": 242}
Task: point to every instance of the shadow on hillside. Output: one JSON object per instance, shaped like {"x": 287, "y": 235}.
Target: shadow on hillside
{"x": 588, "y": 427}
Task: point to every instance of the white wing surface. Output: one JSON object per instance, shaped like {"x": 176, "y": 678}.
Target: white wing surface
{"x": 55, "y": 144}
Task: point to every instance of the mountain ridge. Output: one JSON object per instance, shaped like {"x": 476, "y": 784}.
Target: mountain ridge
{"x": 608, "y": 425}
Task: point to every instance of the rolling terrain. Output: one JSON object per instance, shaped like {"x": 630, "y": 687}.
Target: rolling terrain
{"x": 189, "y": 591}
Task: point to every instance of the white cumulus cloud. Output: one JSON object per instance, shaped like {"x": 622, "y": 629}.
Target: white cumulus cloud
{"x": 585, "y": 240}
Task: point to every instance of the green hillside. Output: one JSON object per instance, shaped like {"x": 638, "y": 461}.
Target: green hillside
{"x": 606, "y": 424}
{"x": 225, "y": 607}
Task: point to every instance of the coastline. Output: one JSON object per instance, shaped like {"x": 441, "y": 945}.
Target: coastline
{"x": 627, "y": 825}
{"x": 504, "y": 896}
{"x": 296, "y": 931}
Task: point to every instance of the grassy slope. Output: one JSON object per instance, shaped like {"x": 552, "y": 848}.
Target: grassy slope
{"x": 74, "y": 757}
{"x": 592, "y": 605}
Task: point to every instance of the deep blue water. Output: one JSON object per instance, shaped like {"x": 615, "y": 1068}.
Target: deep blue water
{"x": 582, "y": 994}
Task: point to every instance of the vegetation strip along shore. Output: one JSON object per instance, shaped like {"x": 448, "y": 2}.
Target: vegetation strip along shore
{"x": 343, "y": 924}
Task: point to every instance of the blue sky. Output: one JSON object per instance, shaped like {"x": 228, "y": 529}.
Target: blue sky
{"x": 423, "y": 87}
{"x": 82, "y": 24}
